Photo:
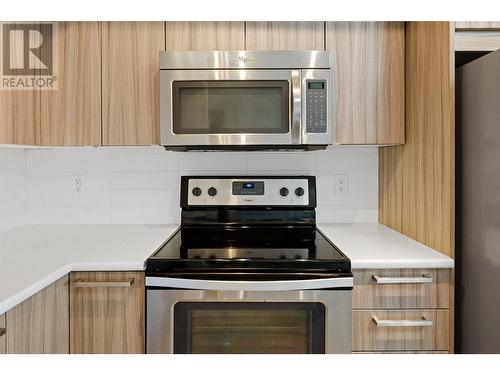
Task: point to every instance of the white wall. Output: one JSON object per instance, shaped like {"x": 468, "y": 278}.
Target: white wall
{"x": 141, "y": 184}
{"x": 12, "y": 188}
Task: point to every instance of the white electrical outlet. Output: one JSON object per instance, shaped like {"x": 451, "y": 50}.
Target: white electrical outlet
{"x": 341, "y": 184}
{"x": 78, "y": 184}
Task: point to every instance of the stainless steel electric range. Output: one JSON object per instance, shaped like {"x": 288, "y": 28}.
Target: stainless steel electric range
{"x": 248, "y": 272}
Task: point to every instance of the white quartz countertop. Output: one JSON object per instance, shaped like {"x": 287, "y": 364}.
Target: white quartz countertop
{"x": 34, "y": 256}
{"x": 372, "y": 245}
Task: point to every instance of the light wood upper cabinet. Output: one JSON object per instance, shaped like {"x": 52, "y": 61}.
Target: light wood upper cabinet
{"x": 284, "y": 36}
{"x": 204, "y": 36}
{"x": 20, "y": 117}
{"x": 368, "y": 74}
{"x": 71, "y": 115}
{"x": 130, "y": 82}
{"x": 40, "y": 325}
{"x": 20, "y": 109}
{"x": 107, "y": 312}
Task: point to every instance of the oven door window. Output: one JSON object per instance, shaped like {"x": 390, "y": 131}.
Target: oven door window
{"x": 230, "y": 107}
{"x": 249, "y": 327}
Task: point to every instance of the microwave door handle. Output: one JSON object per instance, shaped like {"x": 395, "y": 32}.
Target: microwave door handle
{"x": 296, "y": 109}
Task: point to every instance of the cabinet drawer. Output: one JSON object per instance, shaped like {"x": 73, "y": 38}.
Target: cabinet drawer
{"x": 401, "y": 288}
{"x": 107, "y": 313}
{"x": 400, "y": 330}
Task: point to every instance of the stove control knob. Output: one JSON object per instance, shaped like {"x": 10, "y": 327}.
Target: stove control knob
{"x": 283, "y": 191}
{"x": 196, "y": 191}
{"x": 212, "y": 191}
{"x": 299, "y": 192}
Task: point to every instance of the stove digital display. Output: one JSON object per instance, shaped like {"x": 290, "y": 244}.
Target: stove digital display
{"x": 248, "y": 187}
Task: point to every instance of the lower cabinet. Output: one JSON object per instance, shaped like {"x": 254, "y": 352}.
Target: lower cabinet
{"x": 107, "y": 312}
{"x": 401, "y": 311}
{"x": 39, "y": 325}
{"x": 3, "y": 336}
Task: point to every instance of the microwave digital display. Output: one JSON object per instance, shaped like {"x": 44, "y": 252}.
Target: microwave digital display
{"x": 316, "y": 85}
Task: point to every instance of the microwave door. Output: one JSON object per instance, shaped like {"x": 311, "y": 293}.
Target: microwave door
{"x": 230, "y": 107}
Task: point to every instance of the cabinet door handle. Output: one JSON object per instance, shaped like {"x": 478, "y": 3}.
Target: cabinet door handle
{"x": 424, "y": 279}
{"x": 2, "y": 331}
{"x": 424, "y": 322}
{"x": 80, "y": 283}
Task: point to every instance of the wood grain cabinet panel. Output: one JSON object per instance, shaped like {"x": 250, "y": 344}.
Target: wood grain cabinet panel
{"x": 416, "y": 181}
{"x": 20, "y": 117}
{"x": 107, "y": 312}
{"x": 71, "y": 115}
{"x": 368, "y": 68}
{"x": 403, "y": 291}
{"x": 40, "y": 325}
{"x": 204, "y": 36}
{"x": 20, "y": 109}
{"x": 284, "y": 35}
{"x": 130, "y": 82}
{"x": 3, "y": 335}
{"x": 368, "y": 336}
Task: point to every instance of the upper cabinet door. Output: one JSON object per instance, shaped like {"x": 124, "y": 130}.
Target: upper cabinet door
{"x": 368, "y": 74}
{"x": 205, "y": 36}
{"x": 19, "y": 108}
{"x": 71, "y": 115}
{"x": 285, "y": 36}
{"x": 20, "y": 117}
{"x": 130, "y": 77}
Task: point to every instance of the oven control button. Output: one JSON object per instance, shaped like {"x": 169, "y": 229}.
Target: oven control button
{"x": 283, "y": 191}
{"x": 196, "y": 191}
{"x": 212, "y": 191}
{"x": 299, "y": 192}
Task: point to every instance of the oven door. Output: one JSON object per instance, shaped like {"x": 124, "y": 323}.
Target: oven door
{"x": 265, "y": 318}
{"x": 230, "y": 107}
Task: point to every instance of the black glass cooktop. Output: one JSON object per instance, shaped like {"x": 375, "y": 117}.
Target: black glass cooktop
{"x": 282, "y": 249}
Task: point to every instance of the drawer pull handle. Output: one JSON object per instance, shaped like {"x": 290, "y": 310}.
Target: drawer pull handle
{"x": 80, "y": 283}
{"x": 424, "y": 279}
{"x": 2, "y": 331}
{"x": 424, "y": 322}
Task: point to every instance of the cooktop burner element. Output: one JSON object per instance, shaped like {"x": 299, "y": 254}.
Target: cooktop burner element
{"x": 243, "y": 226}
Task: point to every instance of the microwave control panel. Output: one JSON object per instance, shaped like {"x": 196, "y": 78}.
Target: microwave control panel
{"x": 316, "y": 106}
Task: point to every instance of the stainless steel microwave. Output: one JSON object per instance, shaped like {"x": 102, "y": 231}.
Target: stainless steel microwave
{"x": 245, "y": 100}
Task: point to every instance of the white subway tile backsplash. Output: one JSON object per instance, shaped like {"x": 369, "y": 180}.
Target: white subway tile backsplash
{"x": 141, "y": 184}
{"x": 144, "y": 197}
{"x": 145, "y": 215}
{"x": 282, "y": 161}
{"x": 202, "y": 161}
{"x": 13, "y": 188}
{"x": 155, "y": 160}
{"x": 335, "y": 214}
{"x": 70, "y": 160}
{"x": 143, "y": 180}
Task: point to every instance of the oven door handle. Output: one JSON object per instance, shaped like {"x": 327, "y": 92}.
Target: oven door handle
{"x": 264, "y": 286}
